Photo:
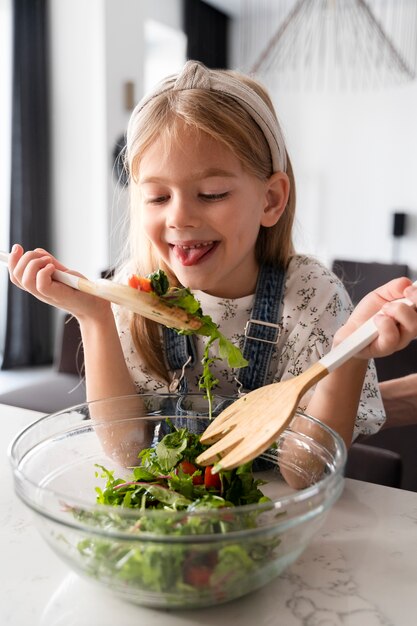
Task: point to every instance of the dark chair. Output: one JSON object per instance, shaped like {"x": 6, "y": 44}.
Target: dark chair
{"x": 70, "y": 357}
{"x": 361, "y": 277}
{"x": 402, "y": 441}
{"x": 64, "y": 386}
{"x": 398, "y": 364}
{"x": 374, "y": 465}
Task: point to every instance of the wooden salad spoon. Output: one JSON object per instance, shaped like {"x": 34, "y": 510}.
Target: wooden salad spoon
{"x": 253, "y": 423}
{"x": 149, "y": 305}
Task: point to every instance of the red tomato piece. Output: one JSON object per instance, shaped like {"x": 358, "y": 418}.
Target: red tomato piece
{"x": 189, "y": 468}
{"x": 198, "y": 576}
{"x": 133, "y": 281}
{"x": 144, "y": 284}
{"x": 211, "y": 481}
{"x": 139, "y": 282}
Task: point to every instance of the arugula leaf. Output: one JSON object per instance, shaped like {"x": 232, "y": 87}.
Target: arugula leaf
{"x": 159, "y": 282}
{"x": 234, "y": 563}
{"x": 142, "y": 474}
{"x": 169, "y": 450}
{"x": 165, "y": 496}
{"x": 227, "y": 351}
{"x": 207, "y": 380}
{"x": 231, "y": 353}
{"x": 183, "y": 298}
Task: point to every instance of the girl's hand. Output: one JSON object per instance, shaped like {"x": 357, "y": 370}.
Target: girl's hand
{"x": 32, "y": 271}
{"x": 396, "y": 322}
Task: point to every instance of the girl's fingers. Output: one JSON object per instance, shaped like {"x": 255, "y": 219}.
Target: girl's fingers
{"x": 55, "y": 261}
{"x": 411, "y": 293}
{"x": 397, "y": 322}
{"x": 390, "y": 338}
{"x": 31, "y": 271}
{"x": 392, "y": 290}
{"x": 26, "y": 266}
{"x": 376, "y": 300}
{"x": 397, "y": 326}
{"x": 36, "y": 276}
{"x": 14, "y": 256}
{"x": 44, "y": 279}
{"x": 404, "y": 316}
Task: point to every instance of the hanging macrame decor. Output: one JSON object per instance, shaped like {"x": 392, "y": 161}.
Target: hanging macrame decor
{"x": 330, "y": 44}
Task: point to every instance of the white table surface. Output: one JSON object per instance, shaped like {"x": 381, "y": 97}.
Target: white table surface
{"x": 360, "y": 570}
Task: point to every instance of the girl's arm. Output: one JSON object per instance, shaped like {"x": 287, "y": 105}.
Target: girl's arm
{"x": 106, "y": 372}
{"x": 105, "y": 367}
{"x": 336, "y": 398}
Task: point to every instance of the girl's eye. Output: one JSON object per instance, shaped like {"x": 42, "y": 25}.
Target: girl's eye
{"x": 157, "y": 200}
{"x": 214, "y": 196}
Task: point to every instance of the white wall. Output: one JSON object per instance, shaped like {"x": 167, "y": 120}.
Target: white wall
{"x": 355, "y": 161}
{"x": 78, "y": 134}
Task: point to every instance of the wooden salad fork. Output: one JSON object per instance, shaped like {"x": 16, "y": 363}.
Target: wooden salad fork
{"x": 149, "y": 305}
{"x": 250, "y": 425}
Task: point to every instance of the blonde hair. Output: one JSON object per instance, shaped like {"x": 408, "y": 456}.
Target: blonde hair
{"x": 221, "y": 117}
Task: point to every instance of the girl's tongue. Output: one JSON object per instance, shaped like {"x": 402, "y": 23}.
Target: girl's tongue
{"x": 193, "y": 253}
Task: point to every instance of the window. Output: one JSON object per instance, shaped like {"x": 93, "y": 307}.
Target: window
{"x": 165, "y": 52}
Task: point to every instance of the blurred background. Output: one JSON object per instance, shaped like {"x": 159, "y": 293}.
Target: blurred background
{"x": 342, "y": 75}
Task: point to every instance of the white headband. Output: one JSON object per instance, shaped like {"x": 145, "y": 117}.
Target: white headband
{"x": 195, "y": 75}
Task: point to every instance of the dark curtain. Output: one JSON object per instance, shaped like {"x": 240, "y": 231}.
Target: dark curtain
{"x": 207, "y": 34}
{"x": 29, "y": 322}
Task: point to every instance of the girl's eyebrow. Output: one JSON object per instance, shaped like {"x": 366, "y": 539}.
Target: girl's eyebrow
{"x": 211, "y": 172}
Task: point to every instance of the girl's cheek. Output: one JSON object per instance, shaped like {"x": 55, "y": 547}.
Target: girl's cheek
{"x": 146, "y": 218}
{"x": 150, "y": 224}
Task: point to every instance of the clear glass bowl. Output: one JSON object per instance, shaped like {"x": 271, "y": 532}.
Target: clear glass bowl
{"x": 239, "y": 549}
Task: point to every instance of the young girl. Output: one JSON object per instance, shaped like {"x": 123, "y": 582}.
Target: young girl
{"x": 212, "y": 199}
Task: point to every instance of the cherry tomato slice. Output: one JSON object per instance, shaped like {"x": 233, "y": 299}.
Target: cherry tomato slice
{"x": 198, "y": 576}
{"x": 189, "y": 468}
{"x": 139, "y": 282}
{"x": 145, "y": 284}
{"x": 133, "y": 281}
{"x": 211, "y": 481}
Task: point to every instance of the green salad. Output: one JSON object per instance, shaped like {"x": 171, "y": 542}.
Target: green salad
{"x": 186, "y": 539}
{"x": 184, "y": 496}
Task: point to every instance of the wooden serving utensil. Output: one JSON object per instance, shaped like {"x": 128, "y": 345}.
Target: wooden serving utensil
{"x": 149, "y": 305}
{"x": 250, "y": 425}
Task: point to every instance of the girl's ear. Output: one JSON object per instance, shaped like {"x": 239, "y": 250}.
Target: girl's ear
{"x": 276, "y": 195}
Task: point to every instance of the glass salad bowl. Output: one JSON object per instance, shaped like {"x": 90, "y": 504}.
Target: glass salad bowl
{"x": 156, "y": 529}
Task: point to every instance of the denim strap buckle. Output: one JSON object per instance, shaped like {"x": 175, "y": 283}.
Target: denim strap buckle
{"x": 248, "y": 330}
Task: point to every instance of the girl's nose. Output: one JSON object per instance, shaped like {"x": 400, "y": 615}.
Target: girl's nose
{"x": 183, "y": 213}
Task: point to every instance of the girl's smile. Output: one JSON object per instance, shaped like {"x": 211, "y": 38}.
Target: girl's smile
{"x": 193, "y": 252}
{"x": 202, "y": 212}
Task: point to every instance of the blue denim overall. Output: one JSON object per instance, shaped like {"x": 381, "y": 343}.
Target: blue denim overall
{"x": 262, "y": 333}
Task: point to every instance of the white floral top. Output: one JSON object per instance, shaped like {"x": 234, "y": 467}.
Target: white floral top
{"x": 315, "y": 305}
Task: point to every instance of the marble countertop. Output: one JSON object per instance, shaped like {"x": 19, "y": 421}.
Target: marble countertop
{"x": 360, "y": 570}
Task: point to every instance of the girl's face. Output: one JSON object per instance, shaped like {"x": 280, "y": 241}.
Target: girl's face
{"x": 202, "y": 212}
